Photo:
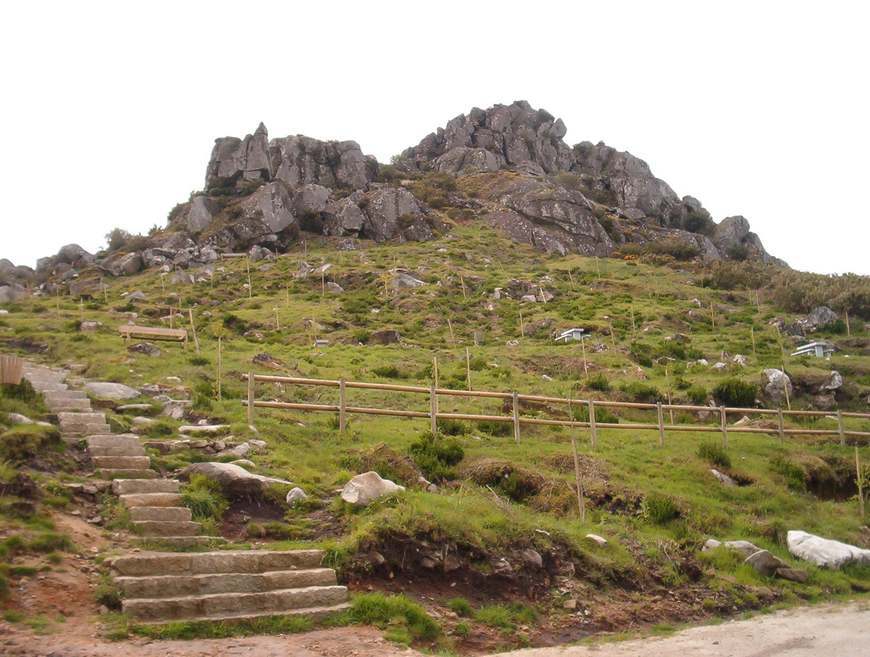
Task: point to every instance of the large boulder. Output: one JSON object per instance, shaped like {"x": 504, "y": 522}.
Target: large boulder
{"x": 234, "y": 480}
{"x": 234, "y": 160}
{"x": 299, "y": 160}
{"x": 819, "y": 317}
{"x": 344, "y": 217}
{"x": 394, "y": 213}
{"x": 487, "y": 140}
{"x": 271, "y": 205}
{"x": 824, "y": 552}
{"x": 776, "y": 384}
{"x": 365, "y": 488}
{"x": 12, "y": 293}
{"x": 123, "y": 264}
{"x": 200, "y": 214}
{"x": 73, "y": 254}
{"x": 108, "y": 391}
{"x": 733, "y": 238}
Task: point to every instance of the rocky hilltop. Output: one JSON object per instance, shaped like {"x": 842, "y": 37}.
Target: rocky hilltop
{"x": 508, "y": 166}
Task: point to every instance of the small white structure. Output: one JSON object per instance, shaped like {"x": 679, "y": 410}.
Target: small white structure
{"x": 320, "y": 342}
{"x": 571, "y": 334}
{"x": 817, "y": 349}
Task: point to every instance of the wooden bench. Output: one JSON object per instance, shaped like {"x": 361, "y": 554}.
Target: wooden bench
{"x": 153, "y": 333}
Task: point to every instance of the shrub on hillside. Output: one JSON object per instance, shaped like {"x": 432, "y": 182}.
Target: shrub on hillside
{"x": 204, "y": 498}
{"x": 26, "y": 442}
{"x": 697, "y": 394}
{"x": 599, "y": 382}
{"x": 642, "y": 392}
{"x": 660, "y": 509}
{"x": 734, "y": 392}
{"x": 436, "y": 455}
{"x": 714, "y": 454}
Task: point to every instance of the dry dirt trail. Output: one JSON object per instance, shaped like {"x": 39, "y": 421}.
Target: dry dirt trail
{"x": 824, "y": 630}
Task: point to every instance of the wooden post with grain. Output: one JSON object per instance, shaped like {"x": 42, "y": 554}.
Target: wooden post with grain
{"x": 468, "y": 368}
{"x": 661, "y": 422}
{"x": 219, "y": 372}
{"x": 342, "y": 406}
{"x": 515, "y": 401}
{"x": 724, "y": 424}
{"x": 840, "y": 427}
{"x": 251, "y": 398}
{"x": 433, "y": 409}
{"x": 581, "y": 503}
{"x": 193, "y": 329}
{"x": 593, "y": 429}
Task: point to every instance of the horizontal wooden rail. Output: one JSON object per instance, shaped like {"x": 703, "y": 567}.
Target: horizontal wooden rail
{"x": 433, "y": 414}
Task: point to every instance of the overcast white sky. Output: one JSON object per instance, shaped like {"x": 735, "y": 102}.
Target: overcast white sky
{"x": 109, "y": 109}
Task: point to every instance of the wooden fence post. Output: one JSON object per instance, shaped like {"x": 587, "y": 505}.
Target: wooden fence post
{"x": 724, "y": 422}
{"x": 250, "y": 282}
{"x": 752, "y": 335}
{"x": 435, "y": 370}
{"x": 342, "y": 405}
{"x": 516, "y": 414}
{"x": 251, "y": 398}
{"x": 522, "y": 325}
{"x": 219, "y": 372}
{"x": 433, "y": 410}
{"x": 468, "y": 368}
{"x": 193, "y": 329}
{"x": 781, "y": 427}
{"x": 848, "y": 328}
{"x": 581, "y": 504}
{"x": 583, "y": 349}
{"x": 450, "y": 327}
{"x": 859, "y": 478}
{"x": 840, "y": 427}
{"x": 593, "y": 429}
{"x": 661, "y": 419}
{"x": 462, "y": 283}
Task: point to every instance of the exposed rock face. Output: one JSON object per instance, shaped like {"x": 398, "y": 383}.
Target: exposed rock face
{"x": 733, "y": 237}
{"x": 776, "y": 384}
{"x": 272, "y": 205}
{"x": 488, "y": 140}
{"x": 555, "y": 219}
{"x": 234, "y": 480}
{"x": 295, "y": 160}
{"x": 393, "y": 212}
{"x": 200, "y": 215}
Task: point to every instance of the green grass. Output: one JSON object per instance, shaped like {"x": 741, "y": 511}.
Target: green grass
{"x": 406, "y": 619}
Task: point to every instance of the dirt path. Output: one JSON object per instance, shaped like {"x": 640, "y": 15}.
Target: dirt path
{"x": 341, "y": 642}
{"x": 824, "y": 630}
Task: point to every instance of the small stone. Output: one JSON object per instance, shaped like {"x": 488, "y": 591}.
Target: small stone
{"x": 570, "y": 604}
{"x": 296, "y": 495}
{"x": 765, "y": 563}
{"x": 793, "y": 574}
{"x": 595, "y": 538}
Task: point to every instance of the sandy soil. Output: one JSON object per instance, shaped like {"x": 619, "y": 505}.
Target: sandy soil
{"x": 827, "y": 630}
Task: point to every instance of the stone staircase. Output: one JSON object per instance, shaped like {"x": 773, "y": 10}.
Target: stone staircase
{"x": 154, "y": 504}
{"x": 227, "y": 585}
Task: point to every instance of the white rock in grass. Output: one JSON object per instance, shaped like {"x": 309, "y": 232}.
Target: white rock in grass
{"x": 824, "y": 551}
{"x": 111, "y": 391}
{"x": 296, "y": 495}
{"x": 365, "y": 488}
{"x": 595, "y": 538}
{"x": 722, "y": 477}
{"x": 17, "y": 418}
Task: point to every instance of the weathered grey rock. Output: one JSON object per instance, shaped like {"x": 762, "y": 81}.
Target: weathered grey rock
{"x": 236, "y": 160}
{"x": 595, "y": 538}
{"x": 311, "y": 199}
{"x": 745, "y": 548}
{"x": 123, "y": 264}
{"x": 200, "y": 215}
{"x": 17, "y": 418}
{"x": 234, "y": 480}
{"x": 109, "y": 391}
{"x": 765, "y": 563}
{"x": 365, "y": 488}
{"x": 299, "y": 160}
{"x": 402, "y": 279}
{"x": 775, "y": 383}
{"x": 344, "y": 217}
{"x": 819, "y": 317}
{"x": 502, "y": 135}
{"x": 722, "y": 477}
{"x": 394, "y": 213}
{"x": 295, "y": 496}
{"x": 73, "y": 254}
{"x": 834, "y": 382}
{"x": 824, "y": 552}
{"x": 272, "y": 205}
{"x": 385, "y": 336}
{"x": 89, "y": 326}
{"x": 793, "y": 574}
{"x": 532, "y": 558}
{"x": 12, "y": 293}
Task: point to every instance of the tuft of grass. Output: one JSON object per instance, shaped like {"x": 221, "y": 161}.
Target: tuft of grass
{"x": 660, "y": 509}
{"x": 394, "y": 611}
{"x": 505, "y": 617}
{"x": 436, "y": 455}
{"x": 204, "y": 498}
{"x": 197, "y": 630}
{"x": 714, "y": 454}
{"x": 461, "y": 607}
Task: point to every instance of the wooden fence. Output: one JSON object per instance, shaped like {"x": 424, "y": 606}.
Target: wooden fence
{"x": 342, "y": 409}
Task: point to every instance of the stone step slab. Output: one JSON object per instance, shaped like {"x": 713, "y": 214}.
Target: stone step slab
{"x": 76, "y": 419}
{"x": 149, "y": 499}
{"x": 166, "y": 528}
{"x": 311, "y": 613}
{"x": 187, "y": 607}
{"x": 128, "y": 486}
{"x": 118, "y": 444}
{"x": 121, "y": 462}
{"x": 61, "y": 395}
{"x": 119, "y": 473}
{"x": 229, "y": 561}
{"x": 72, "y": 406}
{"x": 172, "y": 586}
{"x": 161, "y": 513}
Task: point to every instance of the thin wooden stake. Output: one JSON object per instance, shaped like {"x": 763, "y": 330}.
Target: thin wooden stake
{"x": 468, "y": 367}
{"x": 277, "y": 321}
{"x": 450, "y": 327}
{"x": 848, "y": 328}
{"x": 633, "y": 326}
{"x": 840, "y": 427}
{"x": 752, "y": 335}
{"x": 433, "y": 409}
{"x": 522, "y": 325}
{"x": 250, "y": 282}
{"x": 670, "y": 401}
{"x": 251, "y": 398}
{"x": 288, "y": 294}
{"x": 171, "y": 317}
{"x": 712, "y": 316}
{"x": 661, "y": 420}
{"x": 193, "y": 329}
{"x": 593, "y": 429}
{"x": 105, "y": 291}
{"x": 515, "y": 399}
{"x": 581, "y": 503}
{"x": 585, "y": 365}
{"x": 322, "y": 284}
{"x": 612, "y": 338}
{"x": 859, "y": 478}
{"x": 435, "y": 370}
{"x": 780, "y": 424}
{"x": 163, "y": 283}
{"x": 342, "y": 407}
{"x": 724, "y": 423}
{"x": 219, "y": 368}
{"x": 57, "y": 301}
{"x": 81, "y": 310}
{"x": 571, "y": 278}
{"x": 462, "y": 283}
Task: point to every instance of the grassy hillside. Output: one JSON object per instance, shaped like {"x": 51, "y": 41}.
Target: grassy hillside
{"x": 655, "y": 505}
